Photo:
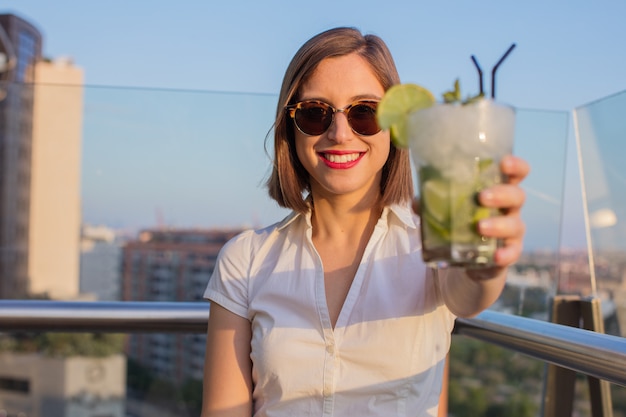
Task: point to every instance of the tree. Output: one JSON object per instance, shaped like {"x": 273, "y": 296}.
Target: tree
{"x": 64, "y": 345}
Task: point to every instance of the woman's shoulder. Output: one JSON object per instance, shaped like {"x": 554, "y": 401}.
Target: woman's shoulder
{"x": 250, "y": 240}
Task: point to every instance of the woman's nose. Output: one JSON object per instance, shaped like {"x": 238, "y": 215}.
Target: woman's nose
{"x": 340, "y": 130}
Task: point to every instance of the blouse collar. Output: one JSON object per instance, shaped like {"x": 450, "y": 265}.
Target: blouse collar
{"x": 404, "y": 213}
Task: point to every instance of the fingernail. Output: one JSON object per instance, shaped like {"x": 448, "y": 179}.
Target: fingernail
{"x": 486, "y": 196}
{"x": 507, "y": 164}
{"x": 485, "y": 226}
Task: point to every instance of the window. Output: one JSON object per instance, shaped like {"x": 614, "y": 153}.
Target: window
{"x": 15, "y": 385}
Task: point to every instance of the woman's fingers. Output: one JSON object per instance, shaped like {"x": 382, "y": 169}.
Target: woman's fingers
{"x": 509, "y": 198}
{"x": 510, "y": 229}
{"x": 509, "y": 253}
{"x": 509, "y": 226}
{"x": 503, "y": 196}
{"x": 514, "y": 168}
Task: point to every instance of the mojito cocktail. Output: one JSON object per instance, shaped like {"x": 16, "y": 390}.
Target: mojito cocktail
{"x": 457, "y": 150}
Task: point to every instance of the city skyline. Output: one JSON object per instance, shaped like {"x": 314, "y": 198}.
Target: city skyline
{"x": 214, "y": 188}
{"x": 431, "y": 44}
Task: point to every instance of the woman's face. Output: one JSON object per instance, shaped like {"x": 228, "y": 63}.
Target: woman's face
{"x": 339, "y": 161}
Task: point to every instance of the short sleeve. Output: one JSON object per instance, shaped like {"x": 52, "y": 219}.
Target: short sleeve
{"x": 228, "y": 285}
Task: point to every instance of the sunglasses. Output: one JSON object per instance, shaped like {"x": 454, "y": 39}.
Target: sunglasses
{"x": 314, "y": 117}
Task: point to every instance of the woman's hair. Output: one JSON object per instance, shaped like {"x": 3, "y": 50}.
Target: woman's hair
{"x": 289, "y": 180}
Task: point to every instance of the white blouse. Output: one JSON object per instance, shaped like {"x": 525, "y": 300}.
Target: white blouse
{"x": 386, "y": 354}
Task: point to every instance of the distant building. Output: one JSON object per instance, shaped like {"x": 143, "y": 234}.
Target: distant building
{"x": 170, "y": 265}
{"x": 100, "y": 259}
{"x": 32, "y": 384}
{"x": 16, "y": 126}
{"x": 40, "y": 156}
{"x": 55, "y": 206}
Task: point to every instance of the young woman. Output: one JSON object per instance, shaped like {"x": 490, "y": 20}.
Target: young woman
{"x": 332, "y": 312}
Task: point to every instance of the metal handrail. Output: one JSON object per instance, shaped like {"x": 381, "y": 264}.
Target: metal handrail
{"x": 100, "y": 316}
{"x": 595, "y": 354}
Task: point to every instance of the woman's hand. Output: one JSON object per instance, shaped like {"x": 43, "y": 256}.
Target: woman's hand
{"x": 468, "y": 297}
{"x": 509, "y": 198}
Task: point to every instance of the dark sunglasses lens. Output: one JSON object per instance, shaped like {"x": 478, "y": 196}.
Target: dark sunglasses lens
{"x": 313, "y": 118}
{"x": 362, "y": 118}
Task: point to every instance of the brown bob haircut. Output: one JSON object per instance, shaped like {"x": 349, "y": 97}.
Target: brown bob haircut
{"x": 289, "y": 180}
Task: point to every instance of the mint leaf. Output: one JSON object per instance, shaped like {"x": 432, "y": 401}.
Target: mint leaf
{"x": 454, "y": 96}
{"x": 474, "y": 98}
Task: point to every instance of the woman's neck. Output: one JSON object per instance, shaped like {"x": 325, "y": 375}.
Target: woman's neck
{"x": 343, "y": 218}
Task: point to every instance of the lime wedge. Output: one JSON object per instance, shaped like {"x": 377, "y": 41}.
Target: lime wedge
{"x": 436, "y": 198}
{"x": 437, "y": 233}
{"x": 483, "y": 164}
{"x": 395, "y": 106}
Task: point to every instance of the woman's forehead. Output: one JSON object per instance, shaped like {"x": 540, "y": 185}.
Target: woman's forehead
{"x": 345, "y": 76}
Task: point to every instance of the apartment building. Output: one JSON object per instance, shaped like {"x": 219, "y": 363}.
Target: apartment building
{"x": 23, "y": 46}
{"x": 170, "y": 265}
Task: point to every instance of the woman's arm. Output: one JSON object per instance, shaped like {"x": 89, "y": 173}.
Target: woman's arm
{"x": 227, "y": 389}
{"x": 467, "y": 292}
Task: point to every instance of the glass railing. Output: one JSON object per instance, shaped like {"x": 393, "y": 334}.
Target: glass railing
{"x": 189, "y": 167}
{"x": 600, "y": 132}
{"x": 176, "y": 158}
{"x": 120, "y": 160}
{"x": 188, "y": 159}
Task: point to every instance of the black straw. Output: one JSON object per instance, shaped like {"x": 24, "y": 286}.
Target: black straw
{"x": 493, "y": 71}
{"x": 480, "y": 75}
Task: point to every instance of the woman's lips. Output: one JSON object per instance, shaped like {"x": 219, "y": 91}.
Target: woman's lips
{"x": 341, "y": 160}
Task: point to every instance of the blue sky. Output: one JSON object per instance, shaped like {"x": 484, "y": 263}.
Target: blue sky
{"x": 568, "y": 53}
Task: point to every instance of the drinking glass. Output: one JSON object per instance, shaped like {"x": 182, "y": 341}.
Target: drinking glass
{"x": 457, "y": 149}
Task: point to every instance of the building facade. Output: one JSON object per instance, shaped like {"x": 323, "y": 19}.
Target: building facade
{"x": 100, "y": 256}
{"x": 32, "y": 384}
{"x": 170, "y": 265}
{"x": 16, "y": 126}
{"x": 55, "y": 204}
{"x": 40, "y": 157}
